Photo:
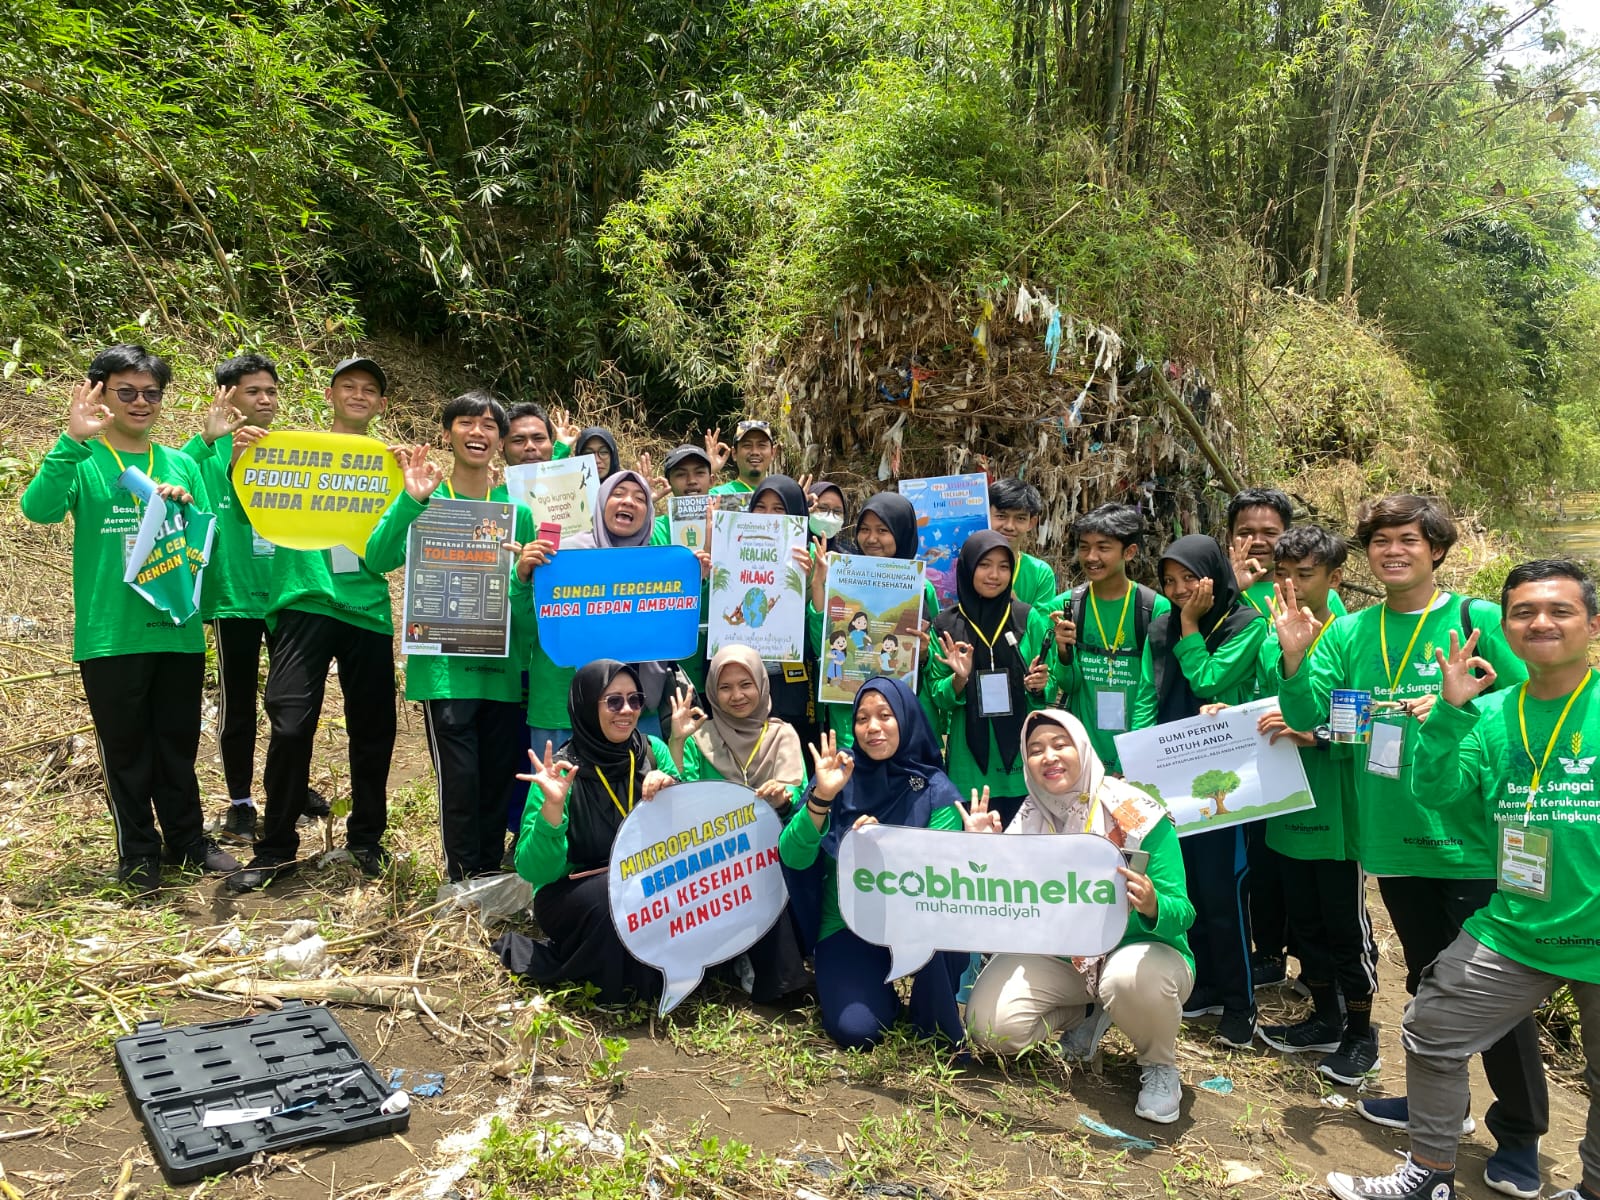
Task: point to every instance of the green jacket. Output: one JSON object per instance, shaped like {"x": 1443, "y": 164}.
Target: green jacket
{"x": 238, "y": 580}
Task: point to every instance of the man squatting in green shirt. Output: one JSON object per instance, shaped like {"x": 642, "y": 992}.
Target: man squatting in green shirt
{"x": 1515, "y": 765}
{"x": 1256, "y": 519}
{"x": 1435, "y": 863}
{"x": 326, "y": 606}
{"x": 142, "y": 675}
{"x": 473, "y": 705}
{"x": 238, "y": 580}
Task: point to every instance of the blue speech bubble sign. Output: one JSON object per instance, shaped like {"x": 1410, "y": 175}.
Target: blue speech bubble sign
{"x": 635, "y": 605}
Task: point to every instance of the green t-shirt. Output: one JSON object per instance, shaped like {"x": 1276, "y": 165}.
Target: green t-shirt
{"x": 1397, "y": 835}
{"x": 837, "y": 716}
{"x": 1034, "y": 583}
{"x": 1471, "y": 763}
{"x": 109, "y": 617}
{"x": 1259, "y": 597}
{"x": 458, "y": 676}
{"x": 1329, "y": 831}
{"x": 335, "y": 583}
{"x": 238, "y": 580}
{"x": 733, "y": 486}
{"x": 947, "y": 711}
{"x": 1096, "y": 669}
{"x": 801, "y": 843}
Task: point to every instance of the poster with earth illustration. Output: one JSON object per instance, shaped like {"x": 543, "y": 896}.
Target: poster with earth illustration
{"x": 1216, "y": 771}
{"x": 757, "y": 596}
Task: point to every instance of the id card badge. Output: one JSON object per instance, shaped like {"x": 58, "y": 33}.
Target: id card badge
{"x": 1111, "y": 711}
{"x": 1385, "y": 750}
{"x": 260, "y": 547}
{"x": 1525, "y": 860}
{"x": 342, "y": 562}
{"x": 128, "y": 539}
{"x": 994, "y": 693}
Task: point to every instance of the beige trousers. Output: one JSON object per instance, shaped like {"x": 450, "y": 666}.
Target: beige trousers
{"x": 1022, "y": 999}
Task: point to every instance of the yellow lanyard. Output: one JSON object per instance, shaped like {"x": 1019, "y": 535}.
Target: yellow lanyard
{"x": 633, "y": 774}
{"x": 1394, "y": 673}
{"x": 1094, "y": 607}
{"x": 987, "y": 641}
{"x": 755, "y": 750}
{"x": 1555, "y": 735}
{"x": 1312, "y": 649}
{"x": 1251, "y": 601}
{"x": 122, "y": 466}
{"x": 450, "y": 492}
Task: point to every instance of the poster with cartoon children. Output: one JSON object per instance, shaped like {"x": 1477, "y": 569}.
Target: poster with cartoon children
{"x": 871, "y": 615}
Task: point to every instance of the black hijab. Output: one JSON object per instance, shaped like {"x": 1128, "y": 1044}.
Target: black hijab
{"x": 836, "y": 542}
{"x": 895, "y": 511}
{"x": 790, "y": 697}
{"x": 593, "y": 816}
{"x": 995, "y": 617}
{"x": 787, "y": 491}
{"x": 1202, "y": 557}
{"x": 604, "y": 434}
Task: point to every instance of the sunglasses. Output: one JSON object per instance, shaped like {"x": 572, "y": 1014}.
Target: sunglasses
{"x": 632, "y": 702}
{"x": 129, "y": 394}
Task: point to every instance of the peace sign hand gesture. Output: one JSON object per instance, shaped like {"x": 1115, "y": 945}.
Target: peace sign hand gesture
{"x": 1461, "y": 686}
{"x": 981, "y": 819}
{"x": 958, "y": 657}
{"x": 422, "y": 475}
{"x": 553, "y": 778}
{"x": 831, "y": 767}
{"x": 88, "y": 414}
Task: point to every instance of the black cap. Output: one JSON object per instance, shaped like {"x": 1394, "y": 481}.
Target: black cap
{"x": 367, "y": 365}
{"x": 752, "y": 426}
{"x": 682, "y": 454}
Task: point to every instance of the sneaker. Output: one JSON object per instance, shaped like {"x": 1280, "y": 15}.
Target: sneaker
{"x": 1393, "y": 1112}
{"x": 256, "y": 875}
{"x": 1160, "y": 1095}
{"x": 1080, "y": 1042}
{"x": 373, "y": 860}
{"x": 1514, "y": 1171}
{"x": 1267, "y": 970}
{"x": 209, "y": 857}
{"x": 1355, "y": 1060}
{"x": 1410, "y": 1181}
{"x": 141, "y": 875}
{"x": 1201, "y": 1004}
{"x": 1237, "y": 1030}
{"x": 1313, "y": 1033}
{"x": 316, "y": 805}
{"x": 240, "y": 823}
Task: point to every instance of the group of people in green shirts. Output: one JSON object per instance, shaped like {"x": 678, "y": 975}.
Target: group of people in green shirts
{"x": 1464, "y": 785}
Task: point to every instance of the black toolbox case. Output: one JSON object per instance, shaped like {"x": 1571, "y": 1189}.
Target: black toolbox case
{"x": 274, "y": 1060}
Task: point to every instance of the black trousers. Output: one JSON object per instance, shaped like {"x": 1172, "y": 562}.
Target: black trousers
{"x": 476, "y": 746}
{"x": 1328, "y": 924}
{"x": 146, "y": 712}
{"x": 1269, "y": 903}
{"x": 239, "y": 641}
{"x": 1427, "y": 915}
{"x": 305, "y": 644}
{"x": 1218, "y": 873}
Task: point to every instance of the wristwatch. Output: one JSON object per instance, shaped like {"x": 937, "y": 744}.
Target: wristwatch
{"x": 1324, "y": 737}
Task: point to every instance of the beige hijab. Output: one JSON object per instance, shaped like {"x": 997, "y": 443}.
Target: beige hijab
{"x": 754, "y": 749}
{"x": 1097, "y": 803}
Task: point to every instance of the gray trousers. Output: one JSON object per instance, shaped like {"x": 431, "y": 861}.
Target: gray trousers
{"x": 1468, "y": 999}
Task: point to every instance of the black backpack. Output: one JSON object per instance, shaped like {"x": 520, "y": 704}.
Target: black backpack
{"x": 1144, "y": 606}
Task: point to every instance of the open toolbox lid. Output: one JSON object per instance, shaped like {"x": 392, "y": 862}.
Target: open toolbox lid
{"x": 212, "y": 1096}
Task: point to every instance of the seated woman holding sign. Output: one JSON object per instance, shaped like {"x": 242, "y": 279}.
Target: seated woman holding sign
{"x": 893, "y": 778}
{"x": 575, "y": 807}
{"x": 1022, "y": 999}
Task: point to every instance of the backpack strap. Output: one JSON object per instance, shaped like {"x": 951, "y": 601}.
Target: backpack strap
{"x": 1144, "y": 607}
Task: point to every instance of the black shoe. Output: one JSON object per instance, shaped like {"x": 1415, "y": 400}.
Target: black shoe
{"x": 1267, "y": 970}
{"x": 373, "y": 860}
{"x": 1411, "y": 1181}
{"x": 1201, "y": 1004}
{"x": 257, "y": 875}
{"x": 1354, "y": 1061}
{"x": 207, "y": 855}
{"x": 1313, "y": 1033}
{"x": 1237, "y": 1030}
{"x": 141, "y": 875}
{"x": 240, "y": 823}
{"x": 317, "y": 805}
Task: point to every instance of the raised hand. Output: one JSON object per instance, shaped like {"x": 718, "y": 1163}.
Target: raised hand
{"x": 562, "y": 426}
{"x": 831, "y": 767}
{"x": 1141, "y": 892}
{"x": 659, "y": 488}
{"x": 1066, "y": 634}
{"x": 805, "y": 482}
{"x": 819, "y": 574}
{"x": 553, "y": 778}
{"x": 1461, "y": 686}
{"x": 980, "y": 819}
{"x": 958, "y": 657}
{"x": 717, "y": 450}
{"x": 687, "y": 717}
{"x": 222, "y": 418}
{"x": 1038, "y": 676}
{"x": 1297, "y": 626}
{"x": 422, "y": 475}
{"x": 1274, "y": 726}
{"x": 88, "y": 414}
{"x": 1247, "y": 571}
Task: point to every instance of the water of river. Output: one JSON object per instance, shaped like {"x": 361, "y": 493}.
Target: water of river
{"x": 1578, "y": 533}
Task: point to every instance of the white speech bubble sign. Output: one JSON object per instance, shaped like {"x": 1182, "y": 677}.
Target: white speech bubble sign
{"x": 917, "y": 891}
{"x": 695, "y": 880}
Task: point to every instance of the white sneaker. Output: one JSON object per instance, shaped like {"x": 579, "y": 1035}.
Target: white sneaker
{"x": 1160, "y": 1095}
{"x": 1080, "y": 1042}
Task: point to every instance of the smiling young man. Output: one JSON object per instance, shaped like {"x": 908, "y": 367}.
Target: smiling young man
{"x": 1435, "y": 866}
{"x": 238, "y": 581}
{"x": 142, "y": 675}
{"x": 754, "y": 453}
{"x": 688, "y": 473}
{"x": 1014, "y": 509}
{"x": 1521, "y": 761}
{"x": 328, "y": 606}
{"x": 473, "y": 705}
{"x": 1257, "y": 518}
{"x": 530, "y": 436}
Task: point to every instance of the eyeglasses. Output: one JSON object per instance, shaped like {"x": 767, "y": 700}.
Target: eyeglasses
{"x": 632, "y": 702}
{"x": 129, "y": 394}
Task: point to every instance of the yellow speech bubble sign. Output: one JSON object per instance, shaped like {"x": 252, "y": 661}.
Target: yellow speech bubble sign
{"x": 309, "y": 490}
